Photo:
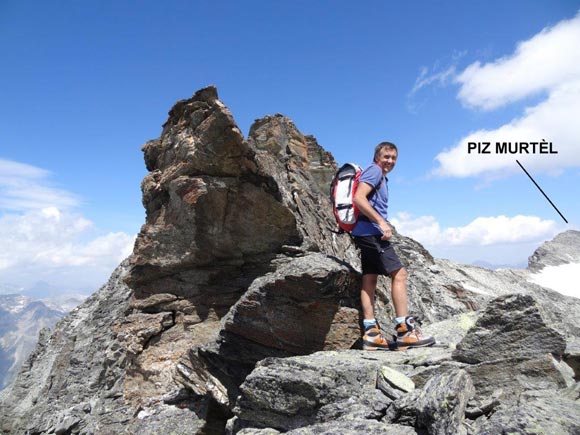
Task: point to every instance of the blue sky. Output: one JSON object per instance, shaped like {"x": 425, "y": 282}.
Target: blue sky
{"x": 84, "y": 85}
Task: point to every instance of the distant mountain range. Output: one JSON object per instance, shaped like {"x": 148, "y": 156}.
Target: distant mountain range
{"x": 492, "y": 266}
{"x": 21, "y": 319}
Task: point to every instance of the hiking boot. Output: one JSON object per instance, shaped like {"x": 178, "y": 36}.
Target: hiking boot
{"x": 409, "y": 334}
{"x": 374, "y": 339}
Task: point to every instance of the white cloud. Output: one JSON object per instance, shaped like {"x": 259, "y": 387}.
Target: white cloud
{"x": 549, "y": 62}
{"x": 541, "y": 63}
{"x": 48, "y": 245}
{"x": 42, "y": 239}
{"x": 482, "y": 231}
{"x": 26, "y": 187}
{"x": 427, "y": 77}
{"x": 563, "y": 278}
{"x": 440, "y": 74}
{"x": 554, "y": 120}
{"x": 499, "y": 240}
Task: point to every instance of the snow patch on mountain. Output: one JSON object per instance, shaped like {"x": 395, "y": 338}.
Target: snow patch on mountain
{"x": 564, "y": 279}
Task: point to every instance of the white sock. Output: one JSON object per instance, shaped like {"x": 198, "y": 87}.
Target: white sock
{"x": 369, "y": 323}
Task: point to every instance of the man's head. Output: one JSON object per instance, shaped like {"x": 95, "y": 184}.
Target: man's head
{"x": 381, "y": 146}
{"x": 386, "y": 154}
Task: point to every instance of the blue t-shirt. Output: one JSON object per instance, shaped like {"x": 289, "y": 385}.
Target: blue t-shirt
{"x": 379, "y": 200}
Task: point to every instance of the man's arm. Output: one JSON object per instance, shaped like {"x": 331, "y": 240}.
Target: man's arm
{"x": 361, "y": 200}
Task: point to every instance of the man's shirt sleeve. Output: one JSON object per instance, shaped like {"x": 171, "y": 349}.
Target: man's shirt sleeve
{"x": 371, "y": 176}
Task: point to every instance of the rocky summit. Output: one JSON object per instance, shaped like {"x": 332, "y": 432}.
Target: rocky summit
{"x": 563, "y": 249}
{"x": 238, "y": 313}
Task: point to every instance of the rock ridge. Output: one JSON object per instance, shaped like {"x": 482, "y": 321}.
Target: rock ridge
{"x": 562, "y": 249}
{"x": 240, "y": 305}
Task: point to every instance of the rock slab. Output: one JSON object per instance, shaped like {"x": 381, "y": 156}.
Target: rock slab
{"x": 510, "y": 325}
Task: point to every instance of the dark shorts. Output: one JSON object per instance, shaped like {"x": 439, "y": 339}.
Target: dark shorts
{"x": 377, "y": 256}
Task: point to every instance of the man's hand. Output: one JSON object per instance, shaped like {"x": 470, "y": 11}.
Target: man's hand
{"x": 386, "y": 229}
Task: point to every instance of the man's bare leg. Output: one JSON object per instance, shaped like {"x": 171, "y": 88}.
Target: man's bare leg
{"x": 367, "y": 295}
{"x": 399, "y": 291}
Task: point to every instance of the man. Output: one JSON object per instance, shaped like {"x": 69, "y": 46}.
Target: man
{"x": 371, "y": 235}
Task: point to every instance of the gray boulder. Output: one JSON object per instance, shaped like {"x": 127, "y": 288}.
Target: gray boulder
{"x": 308, "y": 304}
{"x": 354, "y": 427}
{"x": 289, "y": 393}
{"x": 439, "y": 407}
{"x": 511, "y": 349}
{"x": 509, "y": 326}
{"x": 393, "y": 383}
{"x": 531, "y": 413}
{"x": 512, "y": 376}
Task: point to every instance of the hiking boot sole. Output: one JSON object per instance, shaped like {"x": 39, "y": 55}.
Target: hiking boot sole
{"x": 405, "y": 346}
{"x": 373, "y": 346}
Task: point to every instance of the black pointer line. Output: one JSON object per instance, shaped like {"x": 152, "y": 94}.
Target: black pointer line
{"x": 540, "y": 189}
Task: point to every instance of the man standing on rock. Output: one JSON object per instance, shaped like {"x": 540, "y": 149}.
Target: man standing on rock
{"x": 371, "y": 235}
